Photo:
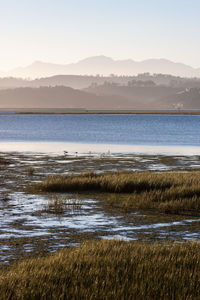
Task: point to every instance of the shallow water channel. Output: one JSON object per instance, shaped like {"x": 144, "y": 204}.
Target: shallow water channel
{"x": 28, "y": 228}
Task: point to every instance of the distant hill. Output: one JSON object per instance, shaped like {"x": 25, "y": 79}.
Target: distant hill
{"x": 11, "y": 82}
{"x": 152, "y": 97}
{"x": 105, "y": 66}
{"x": 58, "y": 97}
{"x": 103, "y": 97}
{"x": 139, "y": 95}
{"x": 82, "y": 82}
{"x": 77, "y": 81}
{"x": 188, "y": 99}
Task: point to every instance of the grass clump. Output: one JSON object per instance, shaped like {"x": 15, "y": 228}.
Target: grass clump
{"x": 167, "y": 192}
{"x": 30, "y": 171}
{"x": 4, "y": 161}
{"x": 108, "y": 270}
{"x": 122, "y": 182}
{"x": 56, "y": 206}
{"x": 59, "y": 205}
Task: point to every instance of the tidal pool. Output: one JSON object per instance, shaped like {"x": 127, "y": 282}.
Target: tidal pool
{"x": 28, "y": 228}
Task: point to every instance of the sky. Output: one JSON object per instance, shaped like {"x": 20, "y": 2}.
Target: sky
{"x": 62, "y": 31}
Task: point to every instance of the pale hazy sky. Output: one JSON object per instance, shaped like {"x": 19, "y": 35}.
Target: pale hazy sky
{"x": 64, "y": 31}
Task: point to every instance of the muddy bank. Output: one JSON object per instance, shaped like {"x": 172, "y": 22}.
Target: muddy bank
{"x": 29, "y": 228}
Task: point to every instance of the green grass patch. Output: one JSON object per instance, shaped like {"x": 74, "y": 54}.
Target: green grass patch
{"x": 108, "y": 270}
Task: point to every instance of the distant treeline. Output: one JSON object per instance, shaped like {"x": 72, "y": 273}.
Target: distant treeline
{"x": 82, "y": 82}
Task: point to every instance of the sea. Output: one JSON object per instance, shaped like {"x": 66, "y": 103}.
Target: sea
{"x": 101, "y": 133}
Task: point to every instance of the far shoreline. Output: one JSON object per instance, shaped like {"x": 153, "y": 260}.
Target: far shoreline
{"x": 70, "y": 111}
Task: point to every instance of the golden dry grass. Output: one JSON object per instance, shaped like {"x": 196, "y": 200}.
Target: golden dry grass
{"x": 168, "y": 192}
{"x": 108, "y": 270}
{"x": 58, "y": 205}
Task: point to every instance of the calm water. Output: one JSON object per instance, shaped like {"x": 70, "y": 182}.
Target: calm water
{"x": 149, "y": 130}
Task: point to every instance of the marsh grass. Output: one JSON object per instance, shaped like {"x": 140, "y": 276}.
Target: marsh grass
{"x": 59, "y": 205}
{"x": 108, "y": 270}
{"x": 30, "y": 171}
{"x": 122, "y": 182}
{"x": 168, "y": 192}
{"x": 55, "y": 206}
{"x": 4, "y": 161}
{"x": 5, "y": 197}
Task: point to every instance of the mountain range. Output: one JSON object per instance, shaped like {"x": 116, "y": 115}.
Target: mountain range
{"x": 103, "y": 65}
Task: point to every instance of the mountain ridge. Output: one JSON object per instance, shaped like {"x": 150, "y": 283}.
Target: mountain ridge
{"x": 104, "y": 65}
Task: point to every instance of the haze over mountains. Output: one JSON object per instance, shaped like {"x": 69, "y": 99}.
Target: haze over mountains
{"x": 157, "y": 85}
{"x": 104, "y": 66}
{"x": 103, "y": 97}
